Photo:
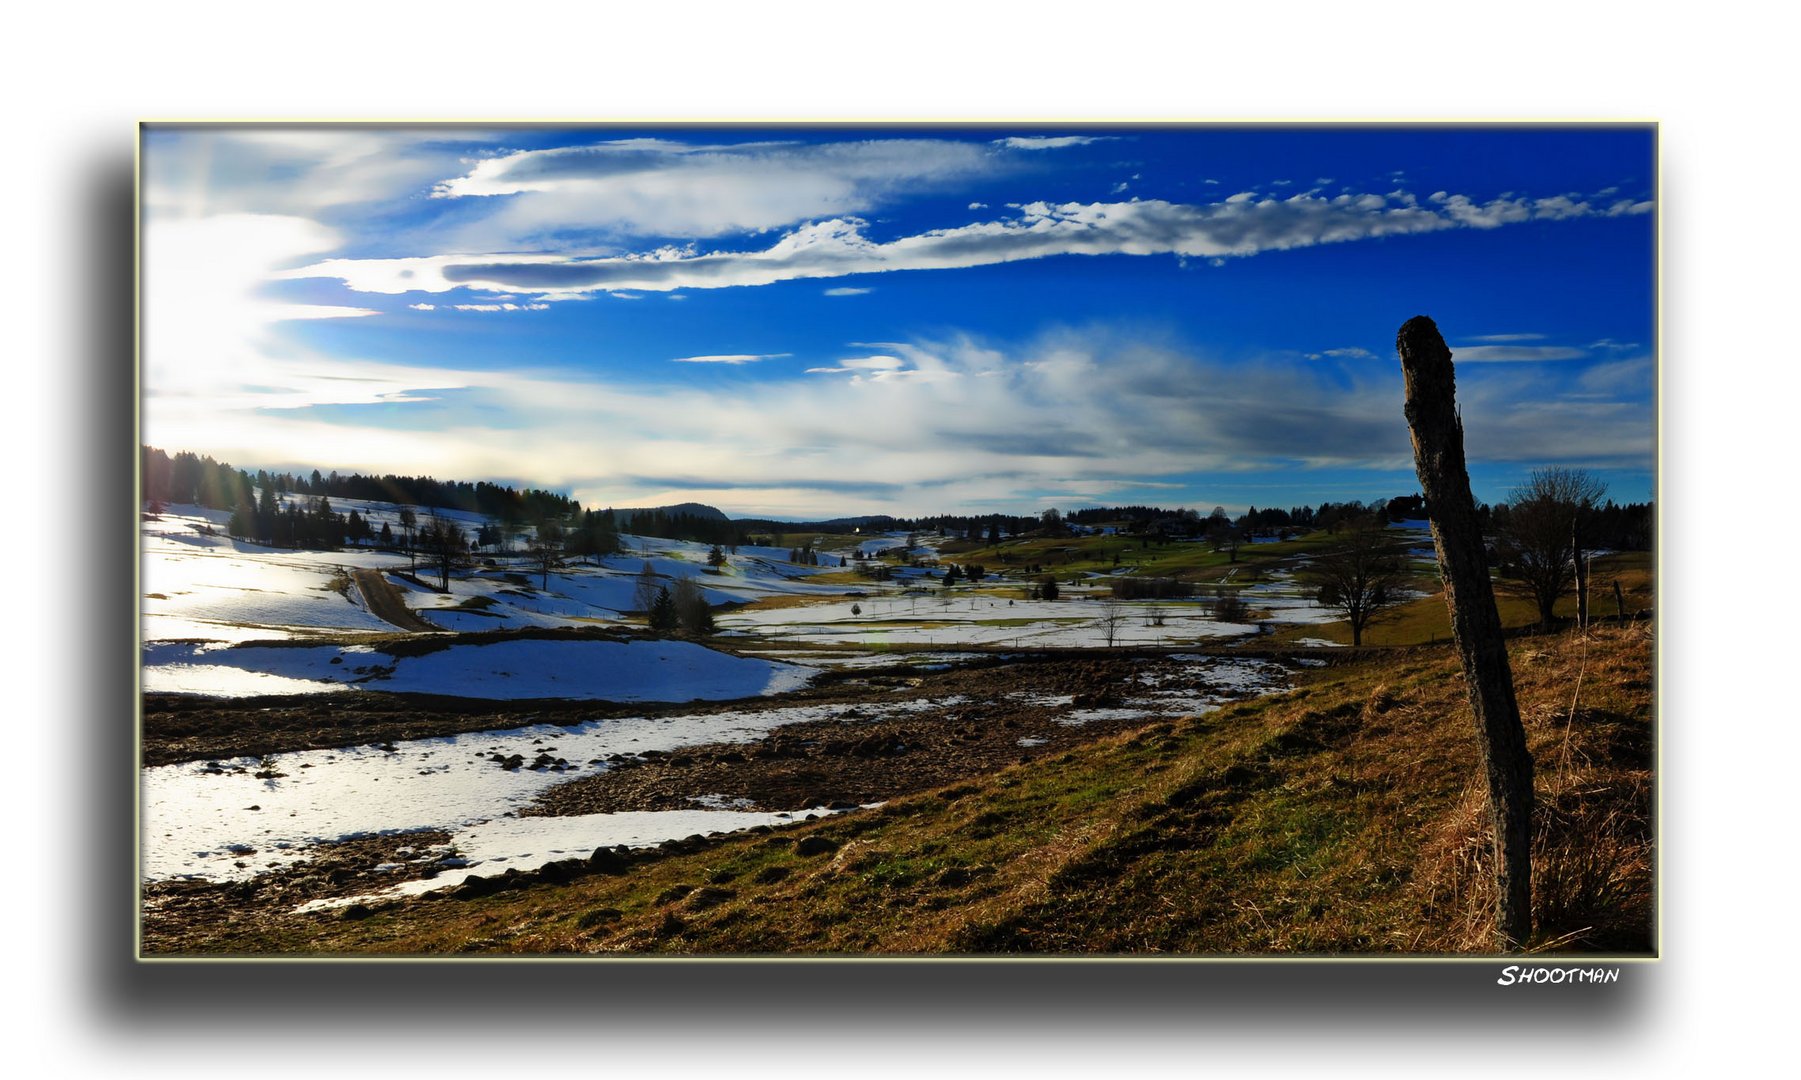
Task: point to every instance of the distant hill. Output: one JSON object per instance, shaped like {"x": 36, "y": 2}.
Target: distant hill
{"x": 694, "y": 510}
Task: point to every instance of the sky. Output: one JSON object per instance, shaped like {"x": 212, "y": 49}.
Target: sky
{"x": 822, "y": 321}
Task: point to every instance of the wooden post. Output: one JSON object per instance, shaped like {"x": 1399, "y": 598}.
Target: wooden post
{"x": 1619, "y": 601}
{"x": 1431, "y": 407}
{"x": 1581, "y": 576}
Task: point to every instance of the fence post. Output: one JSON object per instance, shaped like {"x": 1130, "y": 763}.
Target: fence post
{"x": 1437, "y": 430}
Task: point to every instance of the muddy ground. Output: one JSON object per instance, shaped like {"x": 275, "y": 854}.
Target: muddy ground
{"x": 974, "y": 726}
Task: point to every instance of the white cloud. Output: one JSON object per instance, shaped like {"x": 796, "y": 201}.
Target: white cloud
{"x": 661, "y": 187}
{"x": 1497, "y": 339}
{"x": 978, "y": 206}
{"x": 423, "y": 307}
{"x": 915, "y": 427}
{"x": 497, "y": 307}
{"x": 862, "y": 365}
{"x": 1351, "y": 352}
{"x": 1049, "y": 142}
{"x": 847, "y": 291}
{"x": 1516, "y": 353}
{"x": 1243, "y": 224}
{"x": 731, "y": 358}
{"x": 190, "y": 172}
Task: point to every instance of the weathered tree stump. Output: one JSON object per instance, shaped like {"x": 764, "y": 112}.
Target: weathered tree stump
{"x": 1431, "y": 407}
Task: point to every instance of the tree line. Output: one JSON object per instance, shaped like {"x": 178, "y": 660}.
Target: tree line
{"x": 186, "y": 477}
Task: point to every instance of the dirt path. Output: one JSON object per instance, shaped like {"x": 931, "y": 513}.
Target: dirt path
{"x": 386, "y": 603}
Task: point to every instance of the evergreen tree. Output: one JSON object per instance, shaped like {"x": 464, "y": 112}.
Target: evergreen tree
{"x": 265, "y": 513}
{"x": 243, "y": 520}
{"x": 662, "y": 613}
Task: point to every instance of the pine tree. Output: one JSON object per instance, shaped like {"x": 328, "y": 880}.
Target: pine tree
{"x": 662, "y": 613}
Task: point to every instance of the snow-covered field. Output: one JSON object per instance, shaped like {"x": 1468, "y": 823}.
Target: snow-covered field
{"x": 206, "y": 590}
{"x": 224, "y": 617}
{"x": 234, "y": 818}
{"x": 972, "y": 618}
{"x": 219, "y": 820}
{"x": 591, "y": 670}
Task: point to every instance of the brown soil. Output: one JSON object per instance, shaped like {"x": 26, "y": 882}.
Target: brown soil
{"x": 179, "y": 915}
{"x": 851, "y": 759}
{"x": 387, "y": 603}
{"x": 856, "y": 758}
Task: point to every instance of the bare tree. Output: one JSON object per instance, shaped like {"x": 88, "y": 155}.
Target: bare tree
{"x": 1114, "y": 614}
{"x": 444, "y": 545}
{"x": 1361, "y": 575}
{"x": 1223, "y": 535}
{"x": 692, "y": 613}
{"x": 1541, "y": 542}
{"x": 644, "y": 594}
{"x": 546, "y": 549}
{"x": 408, "y": 521}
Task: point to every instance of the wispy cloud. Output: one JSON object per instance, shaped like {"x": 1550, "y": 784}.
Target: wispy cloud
{"x": 733, "y": 359}
{"x": 1049, "y": 142}
{"x": 563, "y": 197}
{"x": 1503, "y": 338}
{"x": 1242, "y": 225}
{"x": 1490, "y": 354}
{"x": 1509, "y": 210}
{"x": 862, "y": 365}
{"x": 942, "y": 424}
{"x": 846, "y": 290}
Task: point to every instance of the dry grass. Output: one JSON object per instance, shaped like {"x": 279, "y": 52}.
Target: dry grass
{"x": 1344, "y": 817}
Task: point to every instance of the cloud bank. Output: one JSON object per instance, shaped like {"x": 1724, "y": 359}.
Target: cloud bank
{"x": 929, "y": 426}
{"x": 1240, "y": 226}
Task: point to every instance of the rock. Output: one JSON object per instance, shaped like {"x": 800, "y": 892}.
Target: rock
{"x": 561, "y": 870}
{"x": 608, "y": 861}
{"x": 356, "y": 911}
{"x": 815, "y": 845}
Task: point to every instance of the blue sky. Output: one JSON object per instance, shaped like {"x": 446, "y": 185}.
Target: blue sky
{"x": 820, "y": 321}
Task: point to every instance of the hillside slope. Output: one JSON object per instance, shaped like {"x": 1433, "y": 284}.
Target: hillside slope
{"x": 1344, "y": 817}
